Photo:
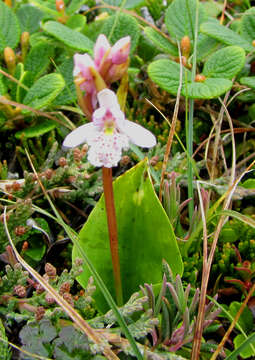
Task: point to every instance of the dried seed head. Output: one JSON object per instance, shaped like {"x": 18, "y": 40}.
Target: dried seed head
{"x": 65, "y": 288}
{"x": 125, "y": 160}
{"x": 50, "y": 270}
{"x": 49, "y": 299}
{"x": 39, "y": 314}
{"x": 77, "y": 155}
{"x": 25, "y": 246}
{"x": 48, "y": 174}
{"x": 68, "y": 297}
{"x": 62, "y": 161}
{"x": 154, "y": 160}
{"x": 16, "y": 186}
{"x": 39, "y": 288}
{"x": 20, "y": 290}
{"x": 20, "y": 230}
{"x": 2, "y": 218}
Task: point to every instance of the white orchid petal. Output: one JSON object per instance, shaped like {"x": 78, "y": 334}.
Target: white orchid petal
{"x": 80, "y": 135}
{"x": 108, "y": 99}
{"x": 138, "y": 135}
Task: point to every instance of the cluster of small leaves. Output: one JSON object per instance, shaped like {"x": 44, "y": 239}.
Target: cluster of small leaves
{"x": 177, "y": 309}
{"x": 22, "y": 298}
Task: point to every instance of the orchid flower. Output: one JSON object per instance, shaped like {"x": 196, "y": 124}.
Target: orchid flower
{"x": 109, "y": 133}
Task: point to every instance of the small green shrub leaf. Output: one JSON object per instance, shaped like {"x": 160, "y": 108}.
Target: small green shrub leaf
{"x": 206, "y": 45}
{"x": 76, "y": 22}
{"x": 166, "y": 74}
{"x": 69, "y": 37}
{"x": 248, "y": 25}
{"x": 42, "y": 127}
{"x": 44, "y": 91}
{"x": 225, "y": 63}
{"x": 29, "y": 18}
{"x": 129, "y": 4}
{"x": 68, "y": 95}
{"x": 74, "y": 6}
{"x": 248, "y": 81}
{"x": 120, "y": 25}
{"x": 225, "y": 35}
{"x": 145, "y": 236}
{"x": 160, "y": 41}
{"x": 247, "y": 351}
{"x": 38, "y": 64}
{"x": 9, "y": 27}
{"x": 180, "y": 18}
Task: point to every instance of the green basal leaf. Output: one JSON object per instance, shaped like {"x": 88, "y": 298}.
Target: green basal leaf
{"x": 180, "y": 18}
{"x": 119, "y": 25}
{"x": 38, "y": 64}
{"x": 225, "y": 35}
{"x": 225, "y": 63}
{"x": 248, "y": 81}
{"x": 160, "y": 41}
{"x": 44, "y": 91}
{"x": 249, "y": 184}
{"x": 42, "y": 127}
{"x": 69, "y": 37}
{"x": 166, "y": 74}
{"x": 29, "y": 18}
{"x": 248, "y": 25}
{"x": 144, "y": 232}
{"x": 9, "y": 27}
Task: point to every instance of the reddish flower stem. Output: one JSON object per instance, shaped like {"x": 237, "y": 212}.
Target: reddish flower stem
{"x": 112, "y": 230}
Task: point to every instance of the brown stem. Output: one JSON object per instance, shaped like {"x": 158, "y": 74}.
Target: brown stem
{"x": 112, "y": 229}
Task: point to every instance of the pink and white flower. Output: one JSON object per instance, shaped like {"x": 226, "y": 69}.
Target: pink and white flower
{"x": 109, "y": 133}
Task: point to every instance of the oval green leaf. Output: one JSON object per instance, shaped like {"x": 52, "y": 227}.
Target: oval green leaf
{"x": 9, "y": 27}
{"x": 69, "y": 37}
{"x": 144, "y": 232}
{"x": 225, "y": 63}
{"x": 160, "y": 41}
{"x": 44, "y": 91}
{"x": 248, "y": 25}
{"x": 181, "y": 17}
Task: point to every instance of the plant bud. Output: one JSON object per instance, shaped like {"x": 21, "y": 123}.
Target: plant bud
{"x": 200, "y": 78}
{"x": 24, "y": 42}
{"x": 10, "y": 59}
{"x": 39, "y": 288}
{"x": 60, "y": 6}
{"x": 48, "y": 174}
{"x": 185, "y": 46}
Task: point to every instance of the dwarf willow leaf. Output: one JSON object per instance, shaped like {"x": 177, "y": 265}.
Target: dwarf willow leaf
{"x": 129, "y": 4}
{"x": 225, "y": 35}
{"x": 76, "y": 22}
{"x": 166, "y": 74}
{"x": 120, "y": 25}
{"x": 225, "y": 63}
{"x": 180, "y": 18}
{"x": 144, "y": 231}
{"x": 160, "y": 41}
{"x": 29, "y": 18}
{"x": 42, "y": 127}
{"x": 9, "y": 27}
{"x": 38, "y": 64}
{"x": 74, "y": 6}
{"x": 44, "y": 91}
{"x": 69, "y": 37}
{"x": 248, "y": 25}
{"x": 68, "y": 95}
{"x": 248, "y": 81}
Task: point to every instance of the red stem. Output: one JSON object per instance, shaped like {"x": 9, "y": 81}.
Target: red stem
{"x": 112, "y": 230}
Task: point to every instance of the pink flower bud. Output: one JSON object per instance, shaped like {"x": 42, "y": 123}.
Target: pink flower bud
{"x": 120, "y": 51}
{"x": 102, "y": 45}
